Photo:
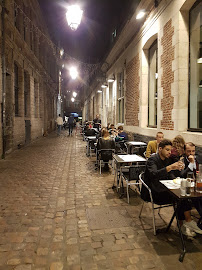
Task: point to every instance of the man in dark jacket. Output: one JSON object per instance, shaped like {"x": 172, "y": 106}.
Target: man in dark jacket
{"x": 159, "y": 167}
{"x": 71, "y": 124}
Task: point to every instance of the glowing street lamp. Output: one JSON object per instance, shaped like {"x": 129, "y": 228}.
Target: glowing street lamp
{"x": 73, "y": 73}
{"x": 74, "y": 94}
{"x": 72, "y": 99}
{"x": 74, "y": 15}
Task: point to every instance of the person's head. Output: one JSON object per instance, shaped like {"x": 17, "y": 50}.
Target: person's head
{"x": 112, "y": 126}
{"x": 105, "y": 133}
{"x": 190, "y": 149}
{"x": 120, "y": 128}
{"x": 97, "y": 116}
{"x": 165, "y": 147}
{"x": 59, "y": 114}
{"x": 179, "y": 143}
{"x": 159, "y": 136}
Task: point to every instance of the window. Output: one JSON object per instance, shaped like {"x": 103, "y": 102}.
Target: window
{"x": 153, "y": 83}
{"x": 16, "y": 89}
{"x": 36, "y": 98}
{"x": 121, "y": 97}
{"x": 17, "y": 18}
{"x": 195, "y": 83}
{"x": 26, "y": 94}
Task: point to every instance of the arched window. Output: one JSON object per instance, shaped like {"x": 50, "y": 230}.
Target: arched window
{"x": 153, "y": 84}
{"x": 195, "y": 83}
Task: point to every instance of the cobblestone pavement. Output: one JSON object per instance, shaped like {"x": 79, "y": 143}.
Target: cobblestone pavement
{"x": 58, "y": 213}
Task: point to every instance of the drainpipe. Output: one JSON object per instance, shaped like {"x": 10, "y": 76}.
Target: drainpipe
{"x": 3, "y": 79}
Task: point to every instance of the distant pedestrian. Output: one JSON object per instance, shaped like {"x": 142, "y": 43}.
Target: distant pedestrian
{"x": 59, "y": 122}
{"x": 71, "y": 124}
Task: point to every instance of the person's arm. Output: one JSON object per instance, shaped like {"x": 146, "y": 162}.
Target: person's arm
{"x": 149, "y": 150}
{"x": 154, "y": 171}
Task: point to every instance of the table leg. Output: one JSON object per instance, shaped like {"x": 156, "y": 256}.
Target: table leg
{"x": 175, "y": 214}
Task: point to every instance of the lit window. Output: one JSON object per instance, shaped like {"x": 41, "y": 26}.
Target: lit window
{"x": 195, "y": 94}
{"x": 153, "y": 82}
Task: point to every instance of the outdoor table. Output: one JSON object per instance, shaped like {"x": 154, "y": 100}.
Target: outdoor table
{"x": 121, "y": 161}
{"x": 132, "y": 144}
{"x": 174, "y": 189}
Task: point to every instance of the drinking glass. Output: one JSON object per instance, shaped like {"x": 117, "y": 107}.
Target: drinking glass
{"x": 190, "y": 177}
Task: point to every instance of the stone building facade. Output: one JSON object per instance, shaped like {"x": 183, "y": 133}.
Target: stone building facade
{"x": 29, "y": 75}
{"x": 157, "y": 66}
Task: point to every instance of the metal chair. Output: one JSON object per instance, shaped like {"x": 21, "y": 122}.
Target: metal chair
{"x": 132, "y": 177}
{"x": 139, "y": 150}
{"x": 105, "y": 156}
{"x": 141, "y": 176}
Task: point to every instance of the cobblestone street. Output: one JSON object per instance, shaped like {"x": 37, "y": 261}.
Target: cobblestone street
{"x": 58, "y": 213}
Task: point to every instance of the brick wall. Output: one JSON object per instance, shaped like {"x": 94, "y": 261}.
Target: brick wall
{"x": 132, "y": 92}
{"x": 167, "y": 79}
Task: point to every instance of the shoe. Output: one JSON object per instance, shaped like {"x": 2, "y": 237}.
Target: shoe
{"x": 187, "y": 231}
{"x": 193, "y": 226}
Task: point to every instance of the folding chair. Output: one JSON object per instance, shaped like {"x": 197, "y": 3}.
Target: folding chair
{"x": 141, "y": 176}
{"x": 105, "y": 156}
{"x": 131, "y": 177}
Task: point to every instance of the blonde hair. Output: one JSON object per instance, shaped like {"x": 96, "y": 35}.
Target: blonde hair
{"x": 178, "y": 142}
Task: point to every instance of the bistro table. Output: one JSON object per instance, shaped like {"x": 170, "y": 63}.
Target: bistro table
{"x": 133, "y": 144}
{"x": 174, "y": 189}
{"x": 121, "y": 161}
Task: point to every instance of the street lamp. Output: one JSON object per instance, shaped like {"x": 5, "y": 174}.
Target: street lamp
{"x": 74, "y": 15}
{"x": 72, "y": 99}
{"x": 73, "y": 73}
{"x": 74, "y": 94}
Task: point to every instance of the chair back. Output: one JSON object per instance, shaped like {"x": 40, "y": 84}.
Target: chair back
{"x": 134, "y": 171}
{"x": 106, "y": 154}
{"x": 139, "y": 150}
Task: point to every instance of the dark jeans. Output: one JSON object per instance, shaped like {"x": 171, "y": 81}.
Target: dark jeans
{"x": 71, "y": 128}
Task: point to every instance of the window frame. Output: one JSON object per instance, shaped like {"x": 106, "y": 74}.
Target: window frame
{"x": 189, "y": 87}
{"x": 153, "y": 44}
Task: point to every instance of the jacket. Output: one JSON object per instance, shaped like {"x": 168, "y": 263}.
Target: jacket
{"x": 151, "y": 148}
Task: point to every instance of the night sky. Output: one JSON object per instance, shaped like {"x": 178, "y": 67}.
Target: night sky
{"x": 91, "y": 41}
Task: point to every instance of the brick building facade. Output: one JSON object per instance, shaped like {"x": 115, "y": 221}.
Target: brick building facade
{"x": 160, "y": 57}
{"x": 30, "y": 75}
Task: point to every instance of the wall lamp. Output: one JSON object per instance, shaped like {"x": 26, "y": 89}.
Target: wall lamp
{"x": 104, "y": 85}
{"x": 111, "y": 79}
{"x": 140, "y": 14}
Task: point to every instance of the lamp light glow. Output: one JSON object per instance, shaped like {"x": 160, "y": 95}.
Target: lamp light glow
{"x": 74, "y": 15}
{"x": 73, "y": 73}
{"x": 99, "y": 91}
{"x": 140, "y": 14}
{"x": 72, "y": 99}
{"x": 74, "y": 94}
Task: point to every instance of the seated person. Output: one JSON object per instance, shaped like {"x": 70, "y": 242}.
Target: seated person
{"x": 112, "y": 131}
{"x": 177, "y": 150}
{"x": 160, "y": 167}
{"x": 122, "y": 135}
{"x": 105, "y": 142}
{"x": 97, "y": 122}
{"x": 89, "y": 132}
{"x": 191, "y": 165}
{"x": 152, "y": 146}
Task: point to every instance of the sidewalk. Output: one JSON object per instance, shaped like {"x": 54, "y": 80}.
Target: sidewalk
{"x": 58, "y": 213}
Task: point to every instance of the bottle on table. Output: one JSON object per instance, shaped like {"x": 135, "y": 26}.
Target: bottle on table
{"x": 198, "y": 182}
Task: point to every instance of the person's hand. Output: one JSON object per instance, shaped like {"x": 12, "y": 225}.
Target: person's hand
{"x": 191, "y": 158}
{"x": 179, "y": 165}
